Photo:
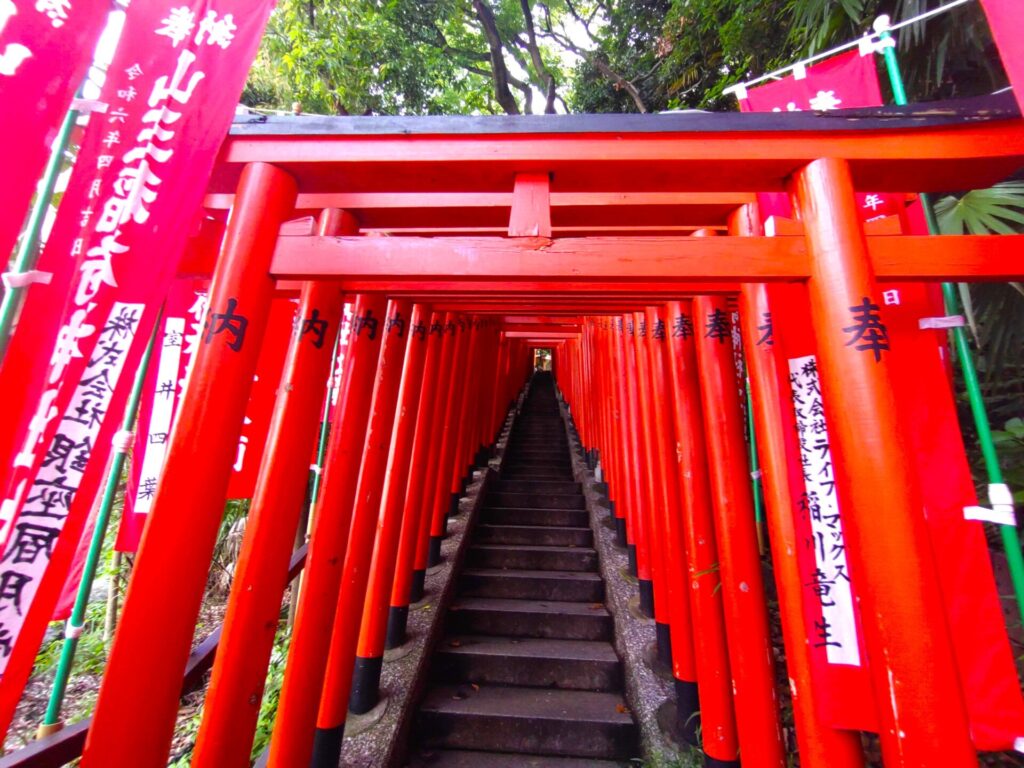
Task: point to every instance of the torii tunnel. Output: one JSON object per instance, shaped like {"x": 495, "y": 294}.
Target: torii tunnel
{"x": 632, "y": 248}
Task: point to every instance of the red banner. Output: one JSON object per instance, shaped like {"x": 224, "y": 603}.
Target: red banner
{"x": 45, "y": 49}
{"x": 134, "y": 196}
{"x": 918, "y": 359}
{"x": 846, "y": 81}
{"x": 1004, "y": 19}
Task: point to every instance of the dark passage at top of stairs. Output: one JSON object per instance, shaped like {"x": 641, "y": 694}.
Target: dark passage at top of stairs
{"x": 526, "y": 675}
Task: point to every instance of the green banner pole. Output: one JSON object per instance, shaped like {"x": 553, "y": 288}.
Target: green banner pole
{"x": 1011, "y": 541}
{"x": 755, "y": 471}
{"x": 75, "y": 625}
{"x": 28, "y": 248}
{"x": 321, "y": 447}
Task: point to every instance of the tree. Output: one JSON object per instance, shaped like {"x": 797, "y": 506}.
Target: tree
{"x": 407, "y": 56}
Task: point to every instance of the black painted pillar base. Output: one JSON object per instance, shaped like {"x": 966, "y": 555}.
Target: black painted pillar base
{"x": 620, "y": 532}
{"x": 663, "y": 634}
{"x": 647, "y": 598}
{"x": 483, "y": 456}
{"x": 417, "y": 590}
{"x": 453, "y": 503}
{"x": 714, "y": 762}
{"x": 631, "y": 555}
{"x": 434, "y": 555}
{"x": 687, "y": 712}
{"x": 327, "y": 747}
{"x": 365, "y": 684}
{"x": 398, "y": 621}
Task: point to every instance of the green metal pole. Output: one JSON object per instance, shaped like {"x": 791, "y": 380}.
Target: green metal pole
{"x": 51, "y": 720}
{"x": 755, "y": 471}
{"x": 28, "y": 249}
{"x": 1011, "y": 541}
{"x": 321, "y": 447}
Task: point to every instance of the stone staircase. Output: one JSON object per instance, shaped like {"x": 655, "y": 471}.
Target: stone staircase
{"x": 526, "y": 674}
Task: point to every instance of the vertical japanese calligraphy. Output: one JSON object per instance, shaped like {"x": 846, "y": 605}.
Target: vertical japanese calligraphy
{"x": 132, "y": 201}
{"x": 836, "y": 631}
{"x": 49, "y": 497}
{"x": 45, "y": 48}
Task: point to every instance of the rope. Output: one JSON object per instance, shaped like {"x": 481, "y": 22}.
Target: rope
{"x": 872, "y": 38}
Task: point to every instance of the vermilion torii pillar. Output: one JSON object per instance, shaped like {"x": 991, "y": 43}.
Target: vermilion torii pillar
{"x": 138, "y": 700}
{"x": 330, "y": 722}
{"x": 819, "y": 745}
{"x": 233, "y": 698}
{"x": 918, "y": 696}
{"x": 413, "y": 514}
{"x": 670, "y": 524}
{"x": 369, "y": 654}
{"x": 307, "y": 653}
{"x": 443, "y": 496}
{"x": 717, "y": 721}
{"x": 421, "y": 554}
{"x": 743, "y": 596}
{"x": 638, "y": 551}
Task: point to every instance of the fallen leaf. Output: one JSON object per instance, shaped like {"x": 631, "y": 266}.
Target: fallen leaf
{"x": 621, "y": 709}
{"x": 454, "y": 643}
{"x": 474, "y": 686}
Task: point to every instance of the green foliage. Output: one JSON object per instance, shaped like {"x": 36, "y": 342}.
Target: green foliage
{"x": 983, "y": 211}
{"x": 271, "y": 692}
{"x": 392, "y": 57}
{"x": 994, "y": 311}
{"x": 492, "y": 56}
{"x": 1009, "y": 443}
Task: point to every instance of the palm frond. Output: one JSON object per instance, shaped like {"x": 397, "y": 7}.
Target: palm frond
{"x": 983, "y": 211}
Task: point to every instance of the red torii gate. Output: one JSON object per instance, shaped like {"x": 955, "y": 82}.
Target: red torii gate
{"x": 534, "y": 219}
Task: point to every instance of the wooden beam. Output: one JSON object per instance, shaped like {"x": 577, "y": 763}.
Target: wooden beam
{"x": 910, "y": 155}
{"x": 531, "y": 206}
{"x": 638, "y": 259}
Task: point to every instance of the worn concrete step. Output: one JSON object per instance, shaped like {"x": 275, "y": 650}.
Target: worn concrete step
{"x": 536, "y": 500}
{"x": 530, "y": 618}
{"x": 536, "y": 486}
{"x": 567, "y": 586}
{"x": 585, "y": 665}
{"x": 573, "y": 518}
{"x": 524, "y": 556}
{"x": 559, "y": 460}
{"x": 544, "y": 453}
{"x": 545, "y": 722}
{"x": 515, "y": 471}
{"x": 537, "y": 535}
{"x": 458, "y": 758}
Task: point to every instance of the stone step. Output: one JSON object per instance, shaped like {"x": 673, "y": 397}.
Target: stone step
{"x": 554, "y": 619}
{"x": 536, "y": 486}
{"x": 574, "y": 518}
{"x": 514, "y": 471}
{"x": 566, "y": 586}
{"x": 536, "y": 500}
{"x": 556, "y": 458}
{"x": 458, "y": 758}
{"x": 537, "y": 535}
{"x": 522, "y": 556}
{"x": 544, "y": 722}
{"x": 585, "y": 665}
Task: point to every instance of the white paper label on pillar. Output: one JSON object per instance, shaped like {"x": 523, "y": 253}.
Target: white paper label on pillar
{"x": 165, "y": 399}
{"x": 830, "y": 585}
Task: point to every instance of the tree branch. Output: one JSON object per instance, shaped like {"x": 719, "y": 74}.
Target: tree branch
{"x": 499, "y": 72}
{"x": 543, "y": 73}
